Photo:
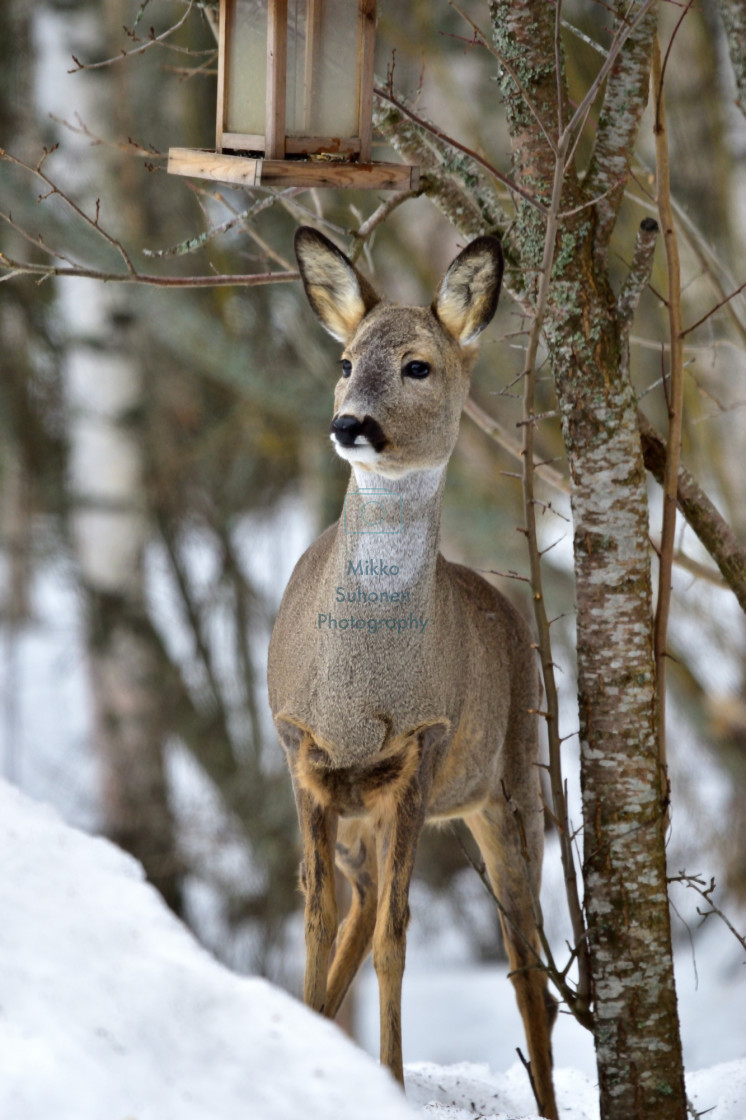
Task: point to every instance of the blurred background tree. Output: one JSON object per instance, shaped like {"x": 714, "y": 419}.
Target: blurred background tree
{"x": 164, "y": 457}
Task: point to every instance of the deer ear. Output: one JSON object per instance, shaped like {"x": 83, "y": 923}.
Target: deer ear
{"x": 468, "y": 293}
{"x": 337, "y": 292}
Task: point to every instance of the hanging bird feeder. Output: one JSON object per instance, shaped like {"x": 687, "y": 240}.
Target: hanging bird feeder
{"x": 295, "y": 99}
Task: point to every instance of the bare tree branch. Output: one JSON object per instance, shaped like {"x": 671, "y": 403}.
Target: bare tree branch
{"x": 703, "y": 518}
{"x": 513, "y": 187}
{"x": 625, "y": 98}
{"x": 242, "y": 218}
{"x": 640, "y": 270}
{"x": 712, "y": 529}
{"x": 53, "y": 189}
{"x": 711, "y": 264}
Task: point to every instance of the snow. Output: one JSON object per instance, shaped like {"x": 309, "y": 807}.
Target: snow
{"x": 110, "y": 1009}
{"x": 721, "y": 1089}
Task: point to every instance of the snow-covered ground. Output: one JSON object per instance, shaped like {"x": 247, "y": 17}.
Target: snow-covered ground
{"x": 109, "y": 1010}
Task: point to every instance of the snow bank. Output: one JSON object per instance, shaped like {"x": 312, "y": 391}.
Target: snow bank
{"x": 468, "y": 1090}
{"x": 720, "y": 1092}
{"x": 109, "y": 1010}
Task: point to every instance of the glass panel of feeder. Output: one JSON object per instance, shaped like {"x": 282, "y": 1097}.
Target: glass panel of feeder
{"x": 246, "y": 65}
{"x": 322, "y": 89}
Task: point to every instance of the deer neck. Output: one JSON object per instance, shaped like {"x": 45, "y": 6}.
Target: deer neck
{"x": 389, "y": 531}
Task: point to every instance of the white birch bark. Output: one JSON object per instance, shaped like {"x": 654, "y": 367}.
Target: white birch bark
{"x": 109, "y": 519}
{"x": 17, "y": 335}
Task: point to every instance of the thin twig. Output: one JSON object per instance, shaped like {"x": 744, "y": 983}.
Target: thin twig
{"x": 36, "y": 240}
{"x": 92, "y": 222}
{"x": 152, "y": 41}
{"x": 697, "y": 883}
{"x": 214, "y": 280}
{"x": 558, "y": 65}
{"x": 366, "y": 228}
{"x": 693, "y": 567}
{"x": 712, "y": 310}
{"x": 559, "y": 803}
{"x": 130, "y": 146}
{"x": 675, "y": 405}
{"x": 714, "y": 534}
{"x": 529, "y": 1073}
{"x": 663, "y": 67}
{"x": 494, "y": 429}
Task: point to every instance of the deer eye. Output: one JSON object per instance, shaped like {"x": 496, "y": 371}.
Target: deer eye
{"x": 416, "y": 369}
{"x": 346, "y": 367}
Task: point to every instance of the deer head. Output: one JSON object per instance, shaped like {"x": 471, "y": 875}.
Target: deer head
{"x": 405, "y": 370}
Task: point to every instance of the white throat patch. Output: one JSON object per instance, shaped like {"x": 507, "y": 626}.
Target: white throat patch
{"x": 394, "y": 520}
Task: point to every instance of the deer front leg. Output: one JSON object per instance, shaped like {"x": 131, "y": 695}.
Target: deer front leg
{"x": 318, "y": 829}
{"x": 397, "y": 838}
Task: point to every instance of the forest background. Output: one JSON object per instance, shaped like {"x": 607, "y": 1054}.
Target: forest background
{"x": 164, "y": 458}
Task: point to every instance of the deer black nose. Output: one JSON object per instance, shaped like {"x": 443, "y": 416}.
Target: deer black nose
{"x": 346, "y": 429}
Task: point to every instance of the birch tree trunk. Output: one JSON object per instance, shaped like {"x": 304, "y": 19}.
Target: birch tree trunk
{"x": 109, "y": 516}
{"x": 17, "y": 329}
{"x": 624, "y": 792}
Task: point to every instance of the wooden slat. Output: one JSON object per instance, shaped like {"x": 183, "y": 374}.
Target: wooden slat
{"x": 225, "y": 17}
{"x": 294, "y": 145}
{"x": 277, "y": 51}
{"x": 213, "y": 165}
{"x": 366, "y": 65}
{"x": 243, "y": 141}
{"x": 315, "y": 145}
{"x": 292, "y": 173}
{"x": 370, "y": 176}
{"x": 314, "y": 11}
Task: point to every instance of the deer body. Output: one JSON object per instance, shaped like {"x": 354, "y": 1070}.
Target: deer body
{"x": 403, "y": 687}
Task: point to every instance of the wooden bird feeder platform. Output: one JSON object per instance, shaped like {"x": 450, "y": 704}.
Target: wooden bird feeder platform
{"x": 295, "y": 99}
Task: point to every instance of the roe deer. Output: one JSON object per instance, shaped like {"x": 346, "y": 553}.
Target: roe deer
{"x": 404, "y": 687}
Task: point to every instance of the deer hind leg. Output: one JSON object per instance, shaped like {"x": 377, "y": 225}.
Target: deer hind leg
{"x": 318, "y": 827}
{"x": 397, "y": 837}
{"x": 356, "y": 857}
{"x": 511, "y": 846}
